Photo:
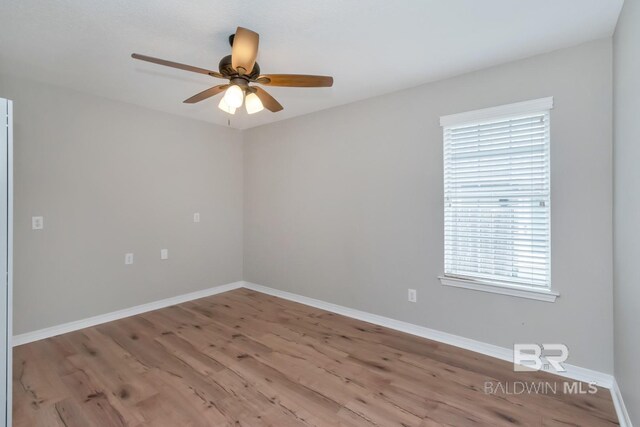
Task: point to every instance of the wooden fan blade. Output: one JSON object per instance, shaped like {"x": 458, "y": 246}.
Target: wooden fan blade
{"x": 177, "y": 65}
{"x": 268, "y": 101}
{"x": 212, "y": 91}
{"x": 295, "y": 80}
{"x": 244, "y": 51}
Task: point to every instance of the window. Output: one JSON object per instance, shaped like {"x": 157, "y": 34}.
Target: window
{"x": 497, "y": 200}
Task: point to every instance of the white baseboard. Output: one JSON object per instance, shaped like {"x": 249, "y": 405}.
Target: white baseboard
{"x": 120, "y": 314}
{"x": 623, "y": 415}
{"x": 573, "y": 372}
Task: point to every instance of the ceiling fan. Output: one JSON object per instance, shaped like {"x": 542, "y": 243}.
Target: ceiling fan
{"x": 241, "y": 68}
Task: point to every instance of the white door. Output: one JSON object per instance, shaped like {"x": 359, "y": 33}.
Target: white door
{"x": 5, "y": 259}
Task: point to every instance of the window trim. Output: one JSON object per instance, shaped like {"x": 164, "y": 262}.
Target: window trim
{"x": 497, "y": 113}
{"x": 488, "y": 285}
{"x": 495, "y": 287}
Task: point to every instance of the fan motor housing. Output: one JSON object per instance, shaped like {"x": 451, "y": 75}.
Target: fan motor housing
{"x": 227, "y": 70}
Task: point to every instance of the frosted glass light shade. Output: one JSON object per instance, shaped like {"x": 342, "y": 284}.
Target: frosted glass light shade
{"x": 225, "y": 107}
{"x": 253, "y": 104}
{"x": 234, "y": 96}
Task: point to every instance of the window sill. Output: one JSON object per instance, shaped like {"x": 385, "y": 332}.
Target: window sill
{"x": 499, "y": 288}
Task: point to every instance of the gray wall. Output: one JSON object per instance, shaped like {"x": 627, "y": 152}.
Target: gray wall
{"x": 345, "y": 205}
{"x": 111, "y": 178}
{"x": 626, "y": 149}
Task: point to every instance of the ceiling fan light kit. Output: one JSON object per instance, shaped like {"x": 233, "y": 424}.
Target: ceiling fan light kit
{"x": 241, "y": 69}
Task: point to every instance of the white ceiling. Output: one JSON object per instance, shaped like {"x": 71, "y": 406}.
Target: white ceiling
{"x": 371, "y": 47}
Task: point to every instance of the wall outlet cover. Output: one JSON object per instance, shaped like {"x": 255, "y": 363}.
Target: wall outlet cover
{"x": 37, "y": 223}
{"x": 164, "y": 253}
{"x": 196, "y": 217}
{"x": 413, "y": 295}
{"x": 128, "y": 259}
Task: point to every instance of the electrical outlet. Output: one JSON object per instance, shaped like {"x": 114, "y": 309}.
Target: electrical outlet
{"x": 196, "y": 217}
{"x": 37, "y": 223}
{"x": 164, "y": 253}
{"x": 128, "y": 259}
{"x": 413, "y": 295}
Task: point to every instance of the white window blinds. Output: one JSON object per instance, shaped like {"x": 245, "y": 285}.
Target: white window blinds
{"x": 496, "y": 189}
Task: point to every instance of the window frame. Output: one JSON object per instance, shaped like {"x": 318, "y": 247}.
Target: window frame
{"x": 503, "y": 287}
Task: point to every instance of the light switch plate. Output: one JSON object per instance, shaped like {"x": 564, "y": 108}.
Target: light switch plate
{"x": 37, "y": 223}
{"x": 164, "y": 253}
{"x": 413, "y": 295}
{"x": 128, "y": 259}
{"x": 196, "y": 217}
